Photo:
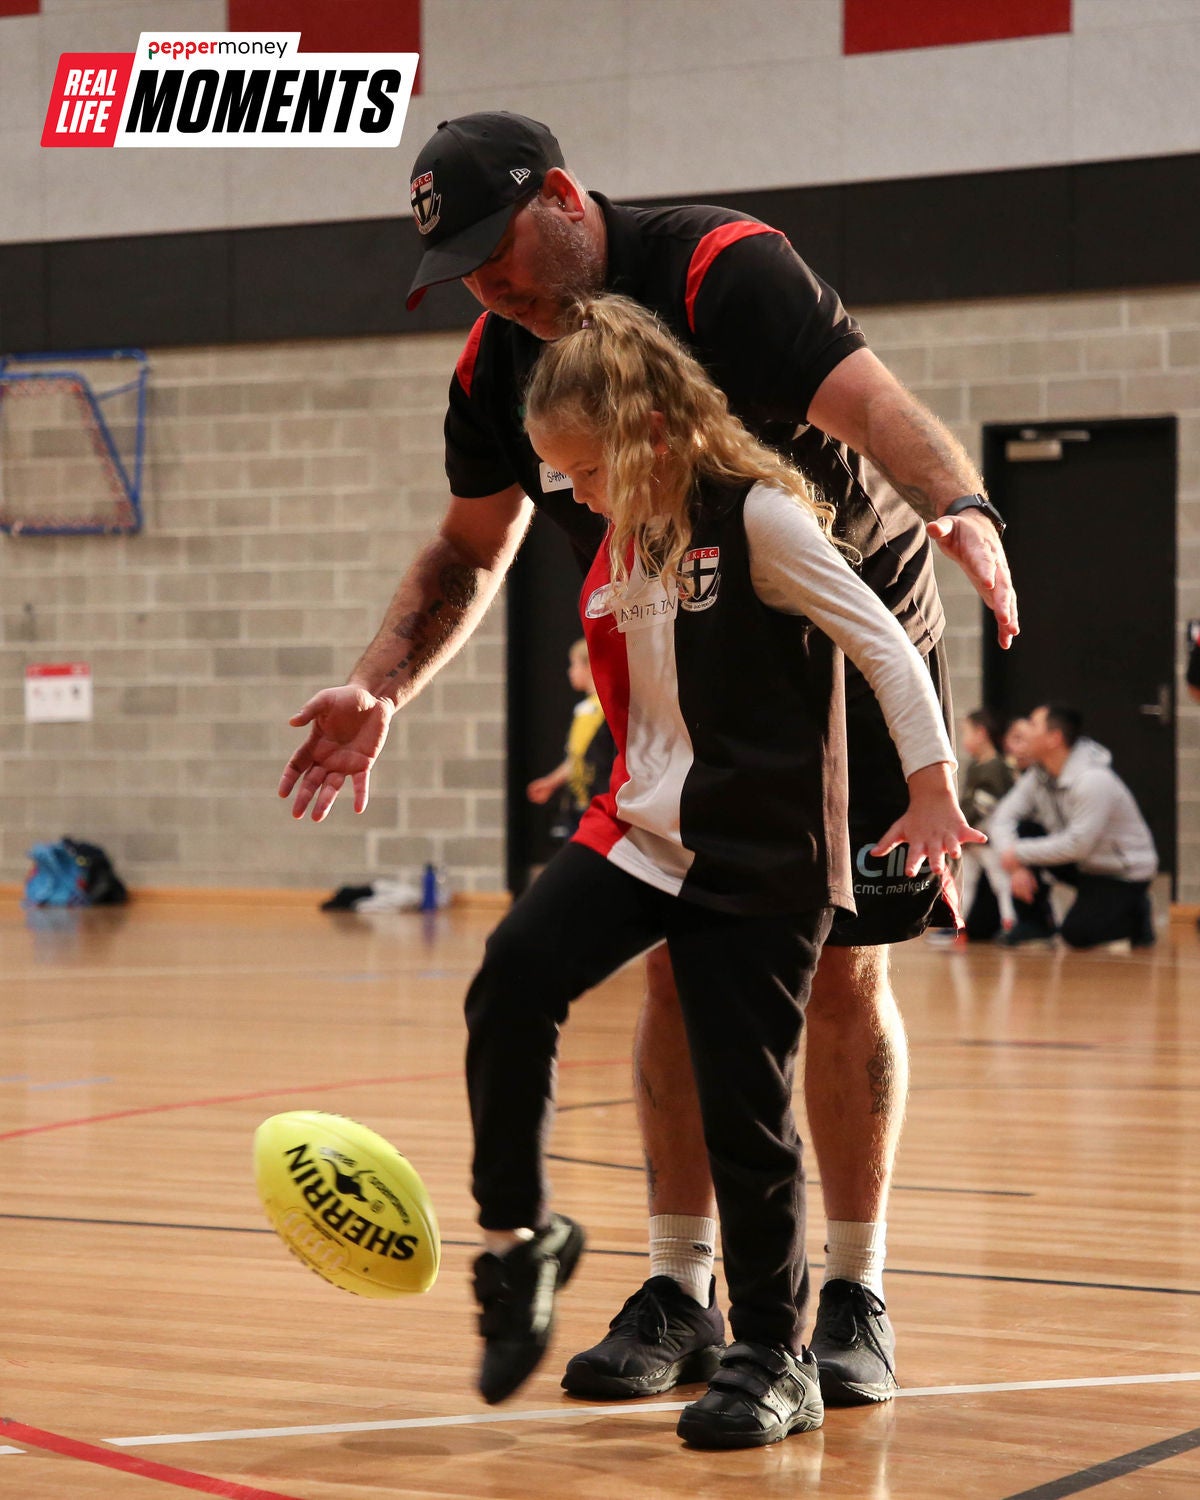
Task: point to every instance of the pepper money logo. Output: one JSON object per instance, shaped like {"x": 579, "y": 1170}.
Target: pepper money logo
{"x": 217, "y": 88}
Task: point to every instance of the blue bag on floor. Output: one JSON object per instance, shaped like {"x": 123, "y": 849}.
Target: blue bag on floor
{"x": 56, "y": 877}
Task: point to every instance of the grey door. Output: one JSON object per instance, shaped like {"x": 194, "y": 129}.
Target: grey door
{"x": 1091, "y": 509}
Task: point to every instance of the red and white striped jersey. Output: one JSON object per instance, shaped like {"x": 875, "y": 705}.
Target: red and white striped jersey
{"x": 724, "y": 698}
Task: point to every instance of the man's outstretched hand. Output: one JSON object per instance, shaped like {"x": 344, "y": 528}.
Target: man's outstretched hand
{"x": 977, "y": 549}
{"x": 348, "y": 730}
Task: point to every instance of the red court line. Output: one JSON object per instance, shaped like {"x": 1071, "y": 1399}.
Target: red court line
{"x": 307, "y": 1088}
{"x": 54, "y": 1442}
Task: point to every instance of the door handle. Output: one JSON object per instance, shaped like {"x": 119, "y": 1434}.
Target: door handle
{"x": 1161, "y": 709}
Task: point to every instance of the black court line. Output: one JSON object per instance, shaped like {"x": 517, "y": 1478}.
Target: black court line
{"x": 587, "y": 1161}
{"x": 1113, "y": 1468}
{"x": 135, "y": 1224}
{"x": 897, "y": 1187}
{"x": 563, "y": 1109}
{"x": 1094, "y": 1286}
{"x": 1039, "y": 1046}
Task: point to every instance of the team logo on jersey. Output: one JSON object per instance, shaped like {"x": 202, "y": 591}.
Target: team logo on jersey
{"x": 699, "y": 578}
{"x": 426, "y": 204}
{"x": 600, "y": 602}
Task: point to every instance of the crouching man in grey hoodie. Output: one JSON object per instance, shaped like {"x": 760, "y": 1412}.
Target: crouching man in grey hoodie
{"x": 1095, "y": 837}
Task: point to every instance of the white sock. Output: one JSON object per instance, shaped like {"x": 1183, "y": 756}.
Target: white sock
{"x": 501, "y": 1241}
{"x": 856, "y": 1252}
{"x": 683, "y": 1248}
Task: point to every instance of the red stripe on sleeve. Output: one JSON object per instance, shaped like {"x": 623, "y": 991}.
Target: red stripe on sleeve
{"x": 707, "y": 251}
{"x": 465, "y": 368}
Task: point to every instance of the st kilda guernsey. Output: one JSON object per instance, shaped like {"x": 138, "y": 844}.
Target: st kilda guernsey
{"x": 725, "y": 704}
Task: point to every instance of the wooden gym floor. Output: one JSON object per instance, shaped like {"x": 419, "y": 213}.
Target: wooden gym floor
{"x": 1044, "y": 1267}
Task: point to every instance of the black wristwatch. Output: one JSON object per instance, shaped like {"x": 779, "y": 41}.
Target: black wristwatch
{"x": 977, "y": 502}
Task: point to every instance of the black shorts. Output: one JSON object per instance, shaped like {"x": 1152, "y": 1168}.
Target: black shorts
{"x": 891, "y": 906}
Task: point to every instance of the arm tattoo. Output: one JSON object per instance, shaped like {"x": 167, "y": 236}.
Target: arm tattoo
{"x": 929, "y": 452}
{"x": 426, "y": 631}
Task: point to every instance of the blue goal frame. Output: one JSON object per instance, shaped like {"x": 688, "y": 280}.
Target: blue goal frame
{"x": 69, "y": 370}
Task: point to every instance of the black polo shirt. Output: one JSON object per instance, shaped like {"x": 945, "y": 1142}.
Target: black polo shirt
{"x": 766, "y": 328}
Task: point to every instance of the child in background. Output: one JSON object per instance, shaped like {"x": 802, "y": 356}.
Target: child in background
{"x": 987, "y": 777}
{"x": 587, "y": 765}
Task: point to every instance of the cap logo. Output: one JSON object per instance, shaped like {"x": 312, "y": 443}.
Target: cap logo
{"x": 518, "y": 174}
{"x": 426, "y": 204}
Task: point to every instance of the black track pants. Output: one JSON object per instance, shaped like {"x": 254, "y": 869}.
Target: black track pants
{"x": 743, "y": 983}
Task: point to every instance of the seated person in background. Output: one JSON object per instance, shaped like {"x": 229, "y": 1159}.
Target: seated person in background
{"x": 987, "y": 777}
{"x": 586, "y": 767}
{"x": 997, "y": 911}
{"x": 1095, "y": 838}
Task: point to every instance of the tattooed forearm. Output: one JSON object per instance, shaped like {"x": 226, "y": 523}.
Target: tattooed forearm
{"x": 920, "y": 458}
{"x": 920, "y": 501}
{"x": 425, "y": 632}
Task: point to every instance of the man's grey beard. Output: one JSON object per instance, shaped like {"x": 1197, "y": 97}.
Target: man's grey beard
{"x": 568, "y": 265}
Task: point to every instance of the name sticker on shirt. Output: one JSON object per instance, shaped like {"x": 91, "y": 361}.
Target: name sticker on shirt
{"x": 552, "y": 479}
{"x": 649, "y": 607}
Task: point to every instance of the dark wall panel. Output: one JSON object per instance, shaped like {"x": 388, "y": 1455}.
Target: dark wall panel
{"x": 145, "y": 290}
{"x": 937, "y": 238}
{"x": 317, "y": 280}
{"x": 23, "y": 298}
{"x": 991, "y": 234}
{"x": 1137, "y": 223}
{"x": 335, "y": 281}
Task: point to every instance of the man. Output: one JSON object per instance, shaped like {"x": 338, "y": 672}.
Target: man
{"x": 499, "y": 210}
{"x": 1094, "y": 838}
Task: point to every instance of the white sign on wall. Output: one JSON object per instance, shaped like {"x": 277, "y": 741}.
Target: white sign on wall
{"x": 58, "y": 691}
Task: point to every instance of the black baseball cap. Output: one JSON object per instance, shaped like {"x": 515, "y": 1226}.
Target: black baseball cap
{"x": 464, "y": 184}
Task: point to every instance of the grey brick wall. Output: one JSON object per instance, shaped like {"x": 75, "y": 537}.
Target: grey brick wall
{"x": 286, "y": 489}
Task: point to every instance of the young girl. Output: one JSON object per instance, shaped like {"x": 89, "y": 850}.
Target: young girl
{"x": 713, "y": 615}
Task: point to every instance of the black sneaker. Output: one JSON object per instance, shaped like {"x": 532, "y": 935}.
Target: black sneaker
{"x": 515, "y": 1292}
{"x": 855, "y": 1345}
{"x": 759, "y": 1395}
{"x": 661, "y": 1338}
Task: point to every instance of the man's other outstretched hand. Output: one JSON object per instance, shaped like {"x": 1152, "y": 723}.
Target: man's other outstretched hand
{"x": 348, "y": 728}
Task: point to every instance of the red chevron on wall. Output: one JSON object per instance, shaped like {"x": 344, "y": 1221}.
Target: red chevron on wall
{"x": 335, "y": 25}
{"x": 899, "y": 25}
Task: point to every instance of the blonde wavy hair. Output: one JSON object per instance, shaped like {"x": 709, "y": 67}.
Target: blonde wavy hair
{"x": 607, "y": 379}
